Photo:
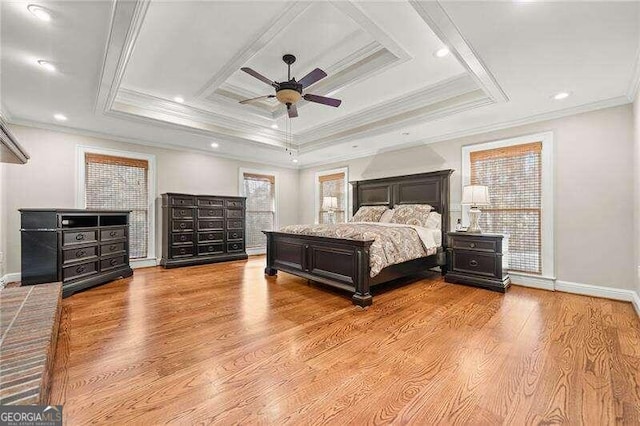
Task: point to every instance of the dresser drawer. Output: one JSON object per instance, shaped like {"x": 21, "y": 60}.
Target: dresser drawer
{"x": 211, "y": 212}
{"x": 181, "y": 213}
{"x": 182, "y": 201}
{"x": 470, "y": 243}
{"x": 210, "y": 224}
{"x": 112, "y": 263}
{"x": 235, "y": 235}
{"x": 186, "y": 238}
{"x": 184, "y": 251}
{"x": 78, "y": 271}
{"x": 210, "y": 202}
{"x": 235, "y": 203}
{"x": 182, "y": 225}
{"x": 79, "y": 237}
{"x": 235, "y": 224}
{"x": 80, "y": 253}
{"x": 235, "y": 246}
{"x": 107, "y": 249}
{"x": 208, "y": 249}
{"x": 235, "y": 214}
{"x": 112, "y": 234}
{"x": 475, "y": 263}
{"x": 207, "y": 237}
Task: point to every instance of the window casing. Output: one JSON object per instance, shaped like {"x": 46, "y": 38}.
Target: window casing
{"x": 332, "y": 183}
{"x": 260, "y": 207}
{"x": 519, "y": 174}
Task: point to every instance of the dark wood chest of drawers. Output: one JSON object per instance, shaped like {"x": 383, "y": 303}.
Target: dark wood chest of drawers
{"x": 199, "y": 229}
{"x": 478, "y": 259}
{"x": 80, "y": 248}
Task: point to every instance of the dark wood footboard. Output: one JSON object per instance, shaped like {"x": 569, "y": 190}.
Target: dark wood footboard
{"x": 337, "y": 262}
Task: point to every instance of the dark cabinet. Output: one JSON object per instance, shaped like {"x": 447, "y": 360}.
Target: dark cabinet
{"x": 478, "y": 259}
{"x": 81, "y": 248}
{"x": 200, "y": 229}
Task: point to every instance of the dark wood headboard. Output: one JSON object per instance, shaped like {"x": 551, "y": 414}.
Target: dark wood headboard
{"x": 423, "y": 188}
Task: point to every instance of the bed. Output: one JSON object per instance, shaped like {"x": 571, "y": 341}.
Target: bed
{"x": 345, "y": 263}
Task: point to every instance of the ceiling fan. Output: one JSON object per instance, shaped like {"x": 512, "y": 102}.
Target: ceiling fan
{"x": 289, "y": 92}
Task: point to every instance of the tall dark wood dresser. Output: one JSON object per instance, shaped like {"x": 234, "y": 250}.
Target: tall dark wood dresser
{"x": 198, "y": 229}
{"x": 80, "y": 248}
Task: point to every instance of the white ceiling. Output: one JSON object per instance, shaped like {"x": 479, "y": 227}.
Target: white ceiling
{"x": 120, "y": 65}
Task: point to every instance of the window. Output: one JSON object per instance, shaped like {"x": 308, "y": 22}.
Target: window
{"x": 331, "y": 190}
{"x": 121, "y": 183}
{"x": 513, "y": 175}
{"x": 519, "y": 174}
{"x": 261, "y": 207}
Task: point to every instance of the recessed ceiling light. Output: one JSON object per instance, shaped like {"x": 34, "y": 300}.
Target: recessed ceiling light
{"x": 354, "y": 146}
{"x": 39, "y": 12}
{"x": 274, "y": 126}
{"x": 214, "y": 145}
{"x": 295, "y": 160}
{"x": 561, "y": 95}
{"x": 47, "y": 65}
{"x": 442, "y": 52}
{"x": 405, "y": 133}
{"x": 179, "y": 99}
{"x": 60, "y": 117}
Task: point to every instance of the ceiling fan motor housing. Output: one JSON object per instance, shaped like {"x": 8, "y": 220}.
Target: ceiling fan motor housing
{"x": 289, "y": 92}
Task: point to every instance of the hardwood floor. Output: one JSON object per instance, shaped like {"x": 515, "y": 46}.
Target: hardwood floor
{"x": 223, "y": 344}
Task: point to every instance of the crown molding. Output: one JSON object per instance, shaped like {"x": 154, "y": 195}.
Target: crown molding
{"x": 434, "y": 15}
{"x": 553, "y": 115}
{"x": 126, "y": 22}
{"x": 403, "y": 106}
{"x": 144, "y": 142}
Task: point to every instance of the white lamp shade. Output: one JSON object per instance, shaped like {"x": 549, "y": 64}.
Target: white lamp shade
{"x": 475, "y": 195}
{"x": 330, "y": 203}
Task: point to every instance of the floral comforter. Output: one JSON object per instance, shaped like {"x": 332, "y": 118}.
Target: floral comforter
{"x": 392, "y": 243}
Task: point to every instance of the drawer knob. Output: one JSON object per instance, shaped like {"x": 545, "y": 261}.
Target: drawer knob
{"x": 472, "y": 245}
{"x": 473, "y": 262}
{"x": 112, "y": 247}
{"x": 182, "y": 225}
{"x": 80, "y": 253}
{"x": 235, "y": 235}
{"x": 183, "y": 238}
{"x": 80, "y": 237}
{"x": 113, "y": 262}
{"x": 235, "y": 246}
{"x": 80, "y": 269}
{"x": 182, "y": 251}
{"x": 113, "y": 233}
{"x": 210, "y": 248}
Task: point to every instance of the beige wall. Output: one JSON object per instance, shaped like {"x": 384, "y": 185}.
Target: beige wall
{"x": 593, "y": 200}
{"x": 49, "y": 179}
{"x": 3, "y": 215}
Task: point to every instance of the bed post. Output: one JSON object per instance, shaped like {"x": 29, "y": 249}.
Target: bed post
{"x": 362, "y": 297}
{"x": 270, "y": 270}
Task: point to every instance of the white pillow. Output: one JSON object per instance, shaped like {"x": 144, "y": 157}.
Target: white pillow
{"x": 386, "y": 216}
{"x": 434, "y": 221}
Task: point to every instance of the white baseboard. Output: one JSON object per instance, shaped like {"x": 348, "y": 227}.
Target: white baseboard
{"x": 143, "y": 263}
{"x": 636, "y": 302}
{"x": 533, "y": 281}
{"x": 11, "y": 278}
{"x": 596, "y": 291}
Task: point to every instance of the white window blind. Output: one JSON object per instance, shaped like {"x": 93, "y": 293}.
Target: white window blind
{"x": 514, "y": 177}
{"x": 332, "y": 185}
{"x": 260, "y": 193}
{"x": 121, "y": 183}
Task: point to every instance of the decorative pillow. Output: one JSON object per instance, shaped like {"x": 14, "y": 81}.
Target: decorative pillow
{"x": 434, "y": 221}
{"x": 368, "y": 214}
{"x": 411, "y": 214}
{"x": 386, "y": 216}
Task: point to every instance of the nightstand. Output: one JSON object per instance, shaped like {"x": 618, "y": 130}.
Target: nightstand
{"x": 478, "y": 259}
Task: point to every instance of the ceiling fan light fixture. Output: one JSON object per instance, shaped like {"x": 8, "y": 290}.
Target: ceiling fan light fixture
{"x": 288, "y": 96}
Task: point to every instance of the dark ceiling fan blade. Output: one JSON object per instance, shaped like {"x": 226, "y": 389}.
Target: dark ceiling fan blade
{"x": 322, "y": 100}
{"x": 312, "y": 77}
{"x": 292, "y": 110}
{"x": 246, "y": 101}
{"x": 259, "y": 76}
